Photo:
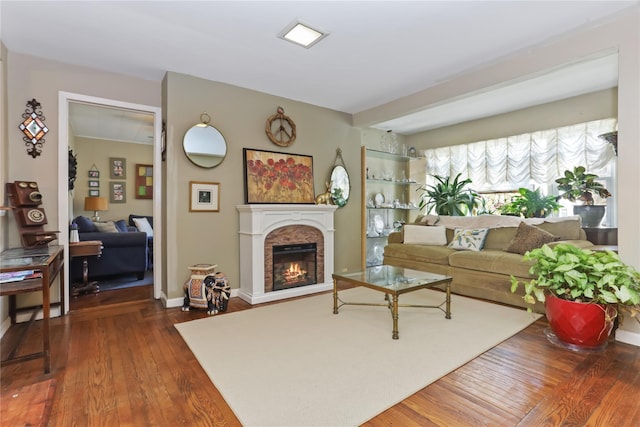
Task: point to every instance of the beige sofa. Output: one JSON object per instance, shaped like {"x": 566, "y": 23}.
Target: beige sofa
{"x": 481, "y": 273}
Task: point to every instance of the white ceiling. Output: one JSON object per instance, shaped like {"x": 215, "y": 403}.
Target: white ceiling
{"x": 376, "y": 52}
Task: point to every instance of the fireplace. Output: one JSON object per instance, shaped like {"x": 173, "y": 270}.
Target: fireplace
{"x": 294, "y": 265}
{"x": 263, "y": 227}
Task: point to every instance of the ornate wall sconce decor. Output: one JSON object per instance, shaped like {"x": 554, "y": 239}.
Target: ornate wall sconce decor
{"x": 33, "y": 128}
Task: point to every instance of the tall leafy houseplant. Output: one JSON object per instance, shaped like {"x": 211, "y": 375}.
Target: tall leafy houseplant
{"x": 530, "y": 204}
{"x": 578, "y": 186}
{"x": 448, "y": 197}
{"x": 596, "y": 280}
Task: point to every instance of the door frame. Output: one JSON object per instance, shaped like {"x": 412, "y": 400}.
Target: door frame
{"x": 64, "y": 99}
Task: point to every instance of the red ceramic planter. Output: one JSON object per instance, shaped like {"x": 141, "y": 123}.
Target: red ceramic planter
{"x": 582, "y": 325}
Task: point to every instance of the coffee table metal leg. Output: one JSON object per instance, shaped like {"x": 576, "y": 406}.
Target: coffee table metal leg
{"x": 335, "y": 296}
{"x": 394, "y": 314}
{"x": 447, "y": 313}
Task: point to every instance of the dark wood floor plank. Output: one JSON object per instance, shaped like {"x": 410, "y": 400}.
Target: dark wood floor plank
{"x": 118, "y": 360}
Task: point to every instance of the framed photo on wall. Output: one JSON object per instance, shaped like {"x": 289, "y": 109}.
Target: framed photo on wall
{"x": 204, "y": 196}
{"x": 94, "y": 193}
{"x": 272, "y": 177}
{"x": 118, "y": 192}
{"x": 117, "y": 168}
{"x": 144, "y": 181}
{"x": 94, "y": 183}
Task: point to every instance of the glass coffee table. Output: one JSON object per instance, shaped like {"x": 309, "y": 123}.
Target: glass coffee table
{"x": 393, "y": 281}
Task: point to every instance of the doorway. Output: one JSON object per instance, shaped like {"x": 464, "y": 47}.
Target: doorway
{"x": 67, "y": 102}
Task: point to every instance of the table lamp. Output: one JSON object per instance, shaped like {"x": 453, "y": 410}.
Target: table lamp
{"x": 95, "y": 204}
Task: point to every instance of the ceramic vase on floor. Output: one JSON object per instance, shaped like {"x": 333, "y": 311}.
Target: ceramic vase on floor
{"x": 581, "y": 326}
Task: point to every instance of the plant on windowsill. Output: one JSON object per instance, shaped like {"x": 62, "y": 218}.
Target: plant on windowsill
{"x": 583, "y": 291}
{"x": 448, "y": 197}
{"x": 530, "y": 204}
{"x": 578, "y": 186}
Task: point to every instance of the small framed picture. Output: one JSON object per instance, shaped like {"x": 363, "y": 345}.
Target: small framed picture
{"x": 117, "y": 168}
{"x": 94, "y": 173}
{"x": 94, "y": 183}
{"x": 94, "y": 193}
{"x": 118, "y": 193}
{"x": 204, "y": 196}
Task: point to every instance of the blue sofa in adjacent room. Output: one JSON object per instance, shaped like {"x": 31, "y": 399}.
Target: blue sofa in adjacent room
{"x": 125, "y": 250}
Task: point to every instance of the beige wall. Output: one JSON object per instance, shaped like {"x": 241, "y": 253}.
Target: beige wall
{"x": 579, "y": 109}
{"x": 97, "y": 152}
{"x": 4, "y": 170}
{"x": 30, "y": 77}
{"x": 240, "y": 115}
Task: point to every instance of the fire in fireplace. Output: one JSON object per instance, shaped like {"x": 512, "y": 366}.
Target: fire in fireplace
{"x": 294, "y": 265}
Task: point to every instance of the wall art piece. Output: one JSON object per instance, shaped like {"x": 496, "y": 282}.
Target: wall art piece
{"x": 33, "y": 128}
{"x": 94, "y": 183}
{"x": 272, "y": 177}
{"x": 204, "y": 196}
{"x": 144, "y": 181}
{"x": 117, "y": 168}
{"x": 118, "y": 192}
{"x": 94, "y": 193}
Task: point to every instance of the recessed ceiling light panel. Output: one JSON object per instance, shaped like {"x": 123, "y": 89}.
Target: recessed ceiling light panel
{"x": 302, "y": 34}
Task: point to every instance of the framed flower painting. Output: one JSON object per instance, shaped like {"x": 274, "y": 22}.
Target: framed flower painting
{"x": 272, "y": 177}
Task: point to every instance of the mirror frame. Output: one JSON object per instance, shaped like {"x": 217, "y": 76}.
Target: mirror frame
{"x": 338, "y": 165}
{"x": 216, "y": 137}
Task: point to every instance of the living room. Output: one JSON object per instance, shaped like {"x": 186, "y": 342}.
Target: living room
{"x": 239, "y": 114}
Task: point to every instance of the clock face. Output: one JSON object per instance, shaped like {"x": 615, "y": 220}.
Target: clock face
{"x": 281, "y": 129}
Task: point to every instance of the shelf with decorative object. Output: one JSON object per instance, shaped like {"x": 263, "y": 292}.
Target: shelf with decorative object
{"x": 389, "y": 198}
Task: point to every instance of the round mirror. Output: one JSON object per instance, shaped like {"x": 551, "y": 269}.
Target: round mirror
{"x": 204, "y": 145}
{"x": 340, "y": 186}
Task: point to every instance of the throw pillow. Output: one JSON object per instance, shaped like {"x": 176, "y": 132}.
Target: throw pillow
{"x": 85, "y": 225}
{"x": 529, "y": 237}
{"x": 143, "y": 225}
{"x": 121, "y": 225}
{"x": 425, "y": 235}
{"x": 468, "y": 239}
{"x": 106, "y": 227}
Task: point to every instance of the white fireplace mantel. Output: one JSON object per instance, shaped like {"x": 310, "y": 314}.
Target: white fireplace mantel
{"x": 256, "y": 222}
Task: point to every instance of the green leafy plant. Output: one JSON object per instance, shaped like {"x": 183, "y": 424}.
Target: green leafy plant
{"x": 448, "y": 197}
{"x": 530, "y": 204}
{"x": 577, "y": 185}
{"x": 338, "y": 197}
{"x": 582, "y": 275}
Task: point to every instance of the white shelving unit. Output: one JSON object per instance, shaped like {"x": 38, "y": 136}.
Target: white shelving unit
{"x": 389, "y": 198}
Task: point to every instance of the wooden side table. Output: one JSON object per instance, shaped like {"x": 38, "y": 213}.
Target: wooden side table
{"x": 85, "y": 250}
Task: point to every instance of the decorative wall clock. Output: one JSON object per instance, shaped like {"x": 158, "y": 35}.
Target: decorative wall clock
{"x": 281, "y": 129}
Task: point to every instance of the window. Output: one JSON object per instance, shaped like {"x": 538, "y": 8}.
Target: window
{"x": 531, "y": 160}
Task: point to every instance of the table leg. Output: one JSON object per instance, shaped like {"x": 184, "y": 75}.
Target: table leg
{"x": 46, "y": 313}
{"x": 447, "y": 314}
{"x": 394, "y": 314}
{"x": 335, "y": 296}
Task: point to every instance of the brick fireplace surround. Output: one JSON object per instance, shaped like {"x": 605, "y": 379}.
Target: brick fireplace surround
{"x": 257, "y": 222}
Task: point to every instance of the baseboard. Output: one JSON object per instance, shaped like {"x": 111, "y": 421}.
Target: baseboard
{"x": 628, "y": 337}
{"x": 177, "y": 302}
{"x": 4, "y": 327}
{"x": 25, "y": 316}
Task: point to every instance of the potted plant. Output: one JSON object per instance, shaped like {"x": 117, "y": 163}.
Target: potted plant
{"x": 582, "y": 290}
{"x": 580, "y": 186}
{"x": 530, "y": 204}
{"x": 448, "y": 197}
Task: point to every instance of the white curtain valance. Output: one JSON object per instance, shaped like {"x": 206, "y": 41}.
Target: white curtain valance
{"x": 520, "y": 160}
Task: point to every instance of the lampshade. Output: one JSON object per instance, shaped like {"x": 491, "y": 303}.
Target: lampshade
{"x": 95, "y": 204}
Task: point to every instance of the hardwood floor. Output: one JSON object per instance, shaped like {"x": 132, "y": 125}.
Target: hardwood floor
{"x": 118, "y": 361}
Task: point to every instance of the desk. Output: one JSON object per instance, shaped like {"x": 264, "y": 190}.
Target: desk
{"x": 47, "y": 260}
{"x": 84, "y": 250}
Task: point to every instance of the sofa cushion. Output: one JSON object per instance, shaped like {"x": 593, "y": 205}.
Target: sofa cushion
{"x": 529, "y": 237}
{"x": 420, "y": 253}
{"x": 499, "y": 262}
{"x": 106, "y": 227}
{"x": 85, "y": 225}
{"x": 500, "y": 238}
{"x": 468, "y": 239}
{"x": 425, "y": 235}
{"x": 149, "y": 219}
{"x": 121, "y": 225}
{"x": 566, "y": 230}
{"x": 143, "y": 225}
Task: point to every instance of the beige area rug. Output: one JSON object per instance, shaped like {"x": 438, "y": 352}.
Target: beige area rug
{"x": 297, "y": 364}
